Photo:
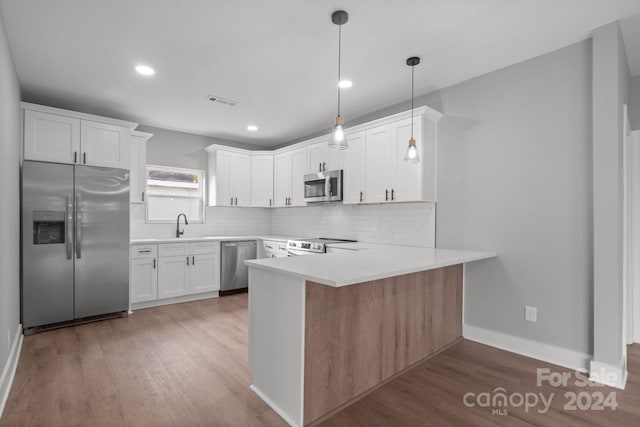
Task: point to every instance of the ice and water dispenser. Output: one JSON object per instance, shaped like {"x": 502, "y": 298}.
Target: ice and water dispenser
{"x": 48, "y": 227}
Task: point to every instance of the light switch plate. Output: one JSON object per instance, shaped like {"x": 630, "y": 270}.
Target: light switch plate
{"x": 530, "y": 313}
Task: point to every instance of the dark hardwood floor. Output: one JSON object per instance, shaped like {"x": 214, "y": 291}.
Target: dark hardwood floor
{"x": 186, "y": 365}
{"x": 178, "y": 365}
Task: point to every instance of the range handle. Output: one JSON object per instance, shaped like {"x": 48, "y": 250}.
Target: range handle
{"x": 78, "y": 209}
{"x": 68, "y": 221}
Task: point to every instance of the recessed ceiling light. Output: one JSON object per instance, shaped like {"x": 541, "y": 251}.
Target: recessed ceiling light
{"x": 344, "y": 84}
{"x": 145, "y": 70}
{"x": 252, "y": 128}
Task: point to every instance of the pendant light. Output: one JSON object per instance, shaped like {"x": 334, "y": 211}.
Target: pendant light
{"x": 412, "y": 155}
{"x": 338, "y": 138}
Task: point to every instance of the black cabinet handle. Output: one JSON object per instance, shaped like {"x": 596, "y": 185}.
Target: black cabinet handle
{"x": 324, "y": 166}
{"x": 187, "y": 260}
{"x": 320, "y": 167}
{"x": 393, "y": 194}
{"x": 386, "y": 194}
{"x": 154, "y": 263}
{"x": 236, "y": 201}
{"x": 269, "y": 202}
{"x": 231, "y": 202}
{"x": 84, "y": 157}
{"x": 75, "y": 157}
{"x": 361, "y": 196}
{"x": 193, "y": 260}
{"x": 143, "y": 196}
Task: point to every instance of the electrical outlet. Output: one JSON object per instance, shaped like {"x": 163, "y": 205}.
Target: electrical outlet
{"x": 530, "y": 313}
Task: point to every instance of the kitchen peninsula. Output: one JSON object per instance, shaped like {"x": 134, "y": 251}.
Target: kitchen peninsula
{"x": 325, "y": 329}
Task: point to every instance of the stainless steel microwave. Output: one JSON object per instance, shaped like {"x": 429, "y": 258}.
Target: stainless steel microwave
{"x": 323, "y": 187}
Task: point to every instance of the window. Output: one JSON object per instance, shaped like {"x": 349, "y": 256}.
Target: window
{"x": 171, "y": 191}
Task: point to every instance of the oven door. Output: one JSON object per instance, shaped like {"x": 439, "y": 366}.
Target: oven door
{"x": 300, "y": 252}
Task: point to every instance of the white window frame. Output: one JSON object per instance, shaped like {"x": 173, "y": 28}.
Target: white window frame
{"x": 203, "y": 192}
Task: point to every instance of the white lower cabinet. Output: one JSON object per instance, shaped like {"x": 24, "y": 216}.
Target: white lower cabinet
{"x": 144, "y": 280}
{"x": 174, "y": 270}
{"x": 204, "y": 270}
{"x": 273, "y": 249}
{"x": 173, "y": 277}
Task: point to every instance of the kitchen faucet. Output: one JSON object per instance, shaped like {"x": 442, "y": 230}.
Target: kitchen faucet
{"x": 178, "y": 232}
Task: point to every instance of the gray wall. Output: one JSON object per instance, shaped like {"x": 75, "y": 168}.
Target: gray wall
{"x": 610, "y": 93}
{"x": 515, "y": 177}
{"x": 9, "y": 194}
{"x": 634, "y": 102}
{"x": 179, "y": 149}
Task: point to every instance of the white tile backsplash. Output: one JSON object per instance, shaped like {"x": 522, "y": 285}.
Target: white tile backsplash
{"x": 219, "y": 221}
{"x": 410, "y": 224}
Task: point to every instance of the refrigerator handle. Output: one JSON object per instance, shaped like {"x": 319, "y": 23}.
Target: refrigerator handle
{"x": 78, "y": 226}
{"x": 68, "y": 220}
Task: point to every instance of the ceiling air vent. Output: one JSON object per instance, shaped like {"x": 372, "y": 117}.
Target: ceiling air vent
{"x": 221, "y": 100}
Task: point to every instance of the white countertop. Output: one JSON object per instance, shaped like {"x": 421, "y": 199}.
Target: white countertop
{"x": 367, "y": 261}
{"x": 209, "y": 238}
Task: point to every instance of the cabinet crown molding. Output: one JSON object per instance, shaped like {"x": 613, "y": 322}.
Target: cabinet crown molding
{"x": 75, "y": 114}
{"x": 418, "y": 111}
{"x": 141, "y": 134}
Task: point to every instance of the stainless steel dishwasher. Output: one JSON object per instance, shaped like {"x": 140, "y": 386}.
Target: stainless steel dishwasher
{"x": 235, "y": 275}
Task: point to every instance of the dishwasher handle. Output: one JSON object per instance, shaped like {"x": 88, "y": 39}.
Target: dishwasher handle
{"x": 241, "y": 243}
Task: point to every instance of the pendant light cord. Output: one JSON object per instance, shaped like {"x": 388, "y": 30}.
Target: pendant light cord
{"x": 412, "y": 68}
{"x": 339, "y": 56}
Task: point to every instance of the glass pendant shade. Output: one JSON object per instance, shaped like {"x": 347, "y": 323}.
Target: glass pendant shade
{"x": 411, "y": 155}
{"x": 338, "y": 138}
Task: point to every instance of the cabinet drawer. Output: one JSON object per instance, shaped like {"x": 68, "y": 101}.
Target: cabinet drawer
{"x": 281, "y": 249}
{"x": 173, "y": 249}
{"x": 205, "y": 248}
{"x": 144, "y": 251}
{"x": 269, "y": 245}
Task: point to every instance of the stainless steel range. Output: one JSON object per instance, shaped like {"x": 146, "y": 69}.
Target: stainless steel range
{"x": 311, "y": 246}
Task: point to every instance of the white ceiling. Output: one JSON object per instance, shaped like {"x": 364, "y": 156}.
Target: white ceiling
{"x": 278, "y": 58}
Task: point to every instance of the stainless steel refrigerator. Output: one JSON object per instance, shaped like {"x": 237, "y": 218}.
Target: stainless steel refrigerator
{"x": 75, "y": 242}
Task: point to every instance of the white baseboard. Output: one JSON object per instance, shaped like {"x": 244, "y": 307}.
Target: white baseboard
{"x": 611, "y": 375}
{"x": 273, "y": 406}
{"x": 9, "y": 370}
{"x": 534, "y": 349}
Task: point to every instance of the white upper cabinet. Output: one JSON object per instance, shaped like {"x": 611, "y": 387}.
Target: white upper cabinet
{"x": 299, "y": 167}
{"x": 282, "y": 179}
{"x": 240, "y": 179}
{"x": 375, "y": 170}
{"x": 61, "y": 136}
{"x": 290, "y": 168}
{"x": 50, "y": 137}
{"x": 323, "y": 158}
{"x": 229, "y": 177}
{"x": 378, "y": 147}
{"x": 138, "y": 166}
{"x": 354, "y": 170}
{"x": 318, "y": 157}
{"x": 406, "y": 178}
{"x": 104, "y": 145}
{"x": 262, "y": 180}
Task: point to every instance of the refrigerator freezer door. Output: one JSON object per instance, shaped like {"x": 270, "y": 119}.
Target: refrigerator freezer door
{"x": 102, "y": 241}
{"x": 47, "y": 267}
